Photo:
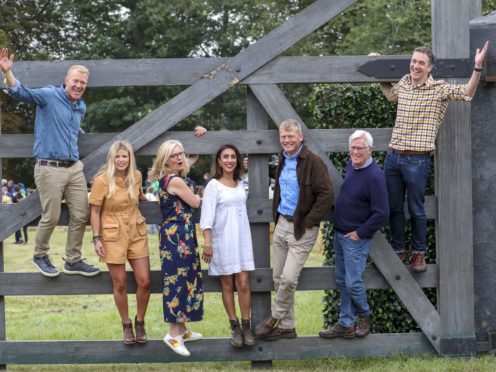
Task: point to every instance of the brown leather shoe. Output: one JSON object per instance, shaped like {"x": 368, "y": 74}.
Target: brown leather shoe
{"x": 337, "y": 330}
{"x": 139, "y": 326}
{"x": 403, "y": 256}
{"x": 128, "y": 334}
{"x": 363, "y": 326}
{"x": 248, "y": 336}
{"x": 236, "y": 333}
{"x": 264, "y": 328}
{"x": 278, "y": 333}
{"x": 418, "y": 262}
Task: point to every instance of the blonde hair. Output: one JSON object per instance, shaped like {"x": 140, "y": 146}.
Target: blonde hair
{"x": 109, "y": 170}
{"x": 160, "y": 167}
{"x": 82, "y": 69}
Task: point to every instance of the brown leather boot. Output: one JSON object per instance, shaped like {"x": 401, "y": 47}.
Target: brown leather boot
{"x": 128, "y": 334}
{"x": 236, "y": 333}
{"x": 139, "y": 326}
{"x": 248, "y": 336}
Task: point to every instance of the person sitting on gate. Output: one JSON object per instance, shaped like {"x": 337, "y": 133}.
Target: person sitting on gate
{"x": 120, "y": 234}
{"x": 228, "y": 247}
{"x": 422, "y": 103}
{"x": 182, "y": 282}
{"x": 302, "y": 196}
{"x": 58, "y": 173}
{"x": 361, "y": 209}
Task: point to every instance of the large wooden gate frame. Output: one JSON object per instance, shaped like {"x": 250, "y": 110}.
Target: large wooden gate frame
{"x": 449, "y": 329}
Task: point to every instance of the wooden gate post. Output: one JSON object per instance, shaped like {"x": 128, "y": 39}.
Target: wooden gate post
{"x": 483, "y": 181}
{"x": 450, "y": 37}
{"x": 2, "y": 298}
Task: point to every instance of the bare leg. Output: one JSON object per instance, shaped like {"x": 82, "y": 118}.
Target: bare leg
{"x": 141, "y": 269}
{"x": 242, "y": 280}
{"x": 227, "y": 287}
{"x": 118, "y": 274}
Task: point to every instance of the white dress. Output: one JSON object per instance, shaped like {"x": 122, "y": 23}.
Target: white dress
{"x": 224, "y": 211}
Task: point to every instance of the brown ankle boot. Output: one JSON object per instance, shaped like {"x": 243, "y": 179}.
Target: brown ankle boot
{"x": 248, "y": 336}
{"x": 236, "y": 333}
{"x": 139, "y": 326}
{"x": 127, "y": 329}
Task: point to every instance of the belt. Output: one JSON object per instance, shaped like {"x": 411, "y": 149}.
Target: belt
{"x": 57, "y": 163}
{"x": 411, "y": 152}
{"x": 288, "y": 218}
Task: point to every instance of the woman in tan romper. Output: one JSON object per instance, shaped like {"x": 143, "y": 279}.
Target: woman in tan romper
{"x": 120, "y": 234}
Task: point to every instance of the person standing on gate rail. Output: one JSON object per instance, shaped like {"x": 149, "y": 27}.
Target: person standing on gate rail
{"x": 228, "y": 247}
{"x": 422, "y": 103}
{"x": 361, "y": 209}
{"x": 120, "y": 233}
{"x": 58, "y": 172}
{"x": 303, "y": 194}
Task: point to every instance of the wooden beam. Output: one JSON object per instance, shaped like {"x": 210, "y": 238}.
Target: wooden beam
{"x": 247, "y": 141}
{"x": 454, "y": 228}
{"x": 381, "y": 252}
{"x": 311, "y": 279}
{"x": 209, "y": 349}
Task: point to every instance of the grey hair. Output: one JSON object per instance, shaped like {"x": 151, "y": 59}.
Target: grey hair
{"x": 363, "y": 134}
{"x": 289, "y": 124}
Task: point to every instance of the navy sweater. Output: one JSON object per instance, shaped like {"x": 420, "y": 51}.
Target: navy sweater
{"x": 362, "y": 205}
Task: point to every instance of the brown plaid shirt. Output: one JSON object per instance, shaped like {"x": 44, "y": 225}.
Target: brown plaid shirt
{"x": 421, "y": 111}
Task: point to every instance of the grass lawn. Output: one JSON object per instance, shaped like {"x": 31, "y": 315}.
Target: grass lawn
{"x": 95, "y": 318}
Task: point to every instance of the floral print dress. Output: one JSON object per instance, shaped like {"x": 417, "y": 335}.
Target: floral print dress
{"x": 182, "y": 283}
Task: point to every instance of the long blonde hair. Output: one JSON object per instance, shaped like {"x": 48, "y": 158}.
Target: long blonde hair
{"x": 160, "y": 167}
{"x": 109, "y": 170}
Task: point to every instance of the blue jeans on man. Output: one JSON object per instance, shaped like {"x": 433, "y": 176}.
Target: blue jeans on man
{"x": 407, "y": 174}
{"x": 351, "y": 258}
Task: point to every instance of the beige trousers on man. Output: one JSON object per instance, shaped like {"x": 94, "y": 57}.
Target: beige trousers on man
{"x": 288, "y": 258}
{"x": 55, "y": 184}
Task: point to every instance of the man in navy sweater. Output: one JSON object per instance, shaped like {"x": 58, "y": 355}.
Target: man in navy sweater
{"x": 361, "y": 209}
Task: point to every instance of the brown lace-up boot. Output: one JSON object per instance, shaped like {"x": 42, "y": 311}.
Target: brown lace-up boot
{"x": 236, "y": 333}
{"x": 248, "y": 336}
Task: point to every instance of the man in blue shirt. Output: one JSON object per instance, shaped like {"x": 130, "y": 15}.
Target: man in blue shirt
{"x": 302, "y": 196}
{"x": 58, "y": 172}
{"x": 361, "y": 209}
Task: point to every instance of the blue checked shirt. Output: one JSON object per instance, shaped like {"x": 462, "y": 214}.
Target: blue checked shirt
{"x": 57, "y": 123}
{"x": 288, "y": 183}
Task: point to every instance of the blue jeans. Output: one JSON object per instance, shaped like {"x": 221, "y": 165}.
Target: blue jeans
{"x": 351, "y": 257}
{"x": 407, "y": 173}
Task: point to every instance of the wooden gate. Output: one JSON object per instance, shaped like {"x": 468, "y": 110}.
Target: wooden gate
{"x": 447, "y": 329}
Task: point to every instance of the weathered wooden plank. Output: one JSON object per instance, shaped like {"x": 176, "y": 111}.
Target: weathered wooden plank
{"x": 209, "y": 87}
{"x": 412, "y": 296}
{"x": 2, "y": 299}
{"x": 311, "y": 279}
{"x": 248, "y": 142}
{"x": 454, "y": 228}
{"x": 308, "y": 347}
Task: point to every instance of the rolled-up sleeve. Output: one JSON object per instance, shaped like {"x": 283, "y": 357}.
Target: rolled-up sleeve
{"x": 98, "y": 192}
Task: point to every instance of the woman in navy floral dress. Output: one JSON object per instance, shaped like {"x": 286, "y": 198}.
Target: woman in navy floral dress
{"x": 182, "y": 282}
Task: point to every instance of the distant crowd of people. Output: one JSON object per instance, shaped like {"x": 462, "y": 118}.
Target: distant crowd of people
{"x": 14, "y": 193}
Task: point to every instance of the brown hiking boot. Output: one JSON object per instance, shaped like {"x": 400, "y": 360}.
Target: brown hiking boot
{"x": 337, "y": 330}
{"x": 128, "y": 334}
{"x": 363, "y": 326}
{"x": 139, "y": 326}
{"x": 264, "y": 328}
{"x": 418, "y": 262}
{"x": 403, "y": 256}
{"x": 236, "y": 333}
{"x": 278, "y": 333}
{"x": 248, "y": 336}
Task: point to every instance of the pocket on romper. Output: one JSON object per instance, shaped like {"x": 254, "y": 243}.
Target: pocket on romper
{"x": 110, "y": 232}
{"x": 141, "y": 225}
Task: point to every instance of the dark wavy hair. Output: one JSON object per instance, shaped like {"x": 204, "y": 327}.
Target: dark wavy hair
{"x": 217, "y": 170}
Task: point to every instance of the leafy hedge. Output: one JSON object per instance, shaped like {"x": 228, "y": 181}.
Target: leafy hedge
{"x": 364, "y": 106}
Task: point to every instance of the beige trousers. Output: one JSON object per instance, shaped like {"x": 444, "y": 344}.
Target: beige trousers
{"x": 288, "y": 258}
{"x": 55, "y": 184}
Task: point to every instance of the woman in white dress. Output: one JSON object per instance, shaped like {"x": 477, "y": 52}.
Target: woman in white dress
{"x": 228, "y": 248}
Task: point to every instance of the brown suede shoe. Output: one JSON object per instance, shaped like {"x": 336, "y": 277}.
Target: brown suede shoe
{"x": 139, "y": 326}
{"x": 337, "y": 330}
{"x": 248, "y": 336}
{"x": 236, "y": 333}
{"x": 363, "y": 326}
{"x": 128, "y": 334}
{"x": 264, "y": 328}
{"x": 418, "y": 262}
{"x": 278, "y": 333}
